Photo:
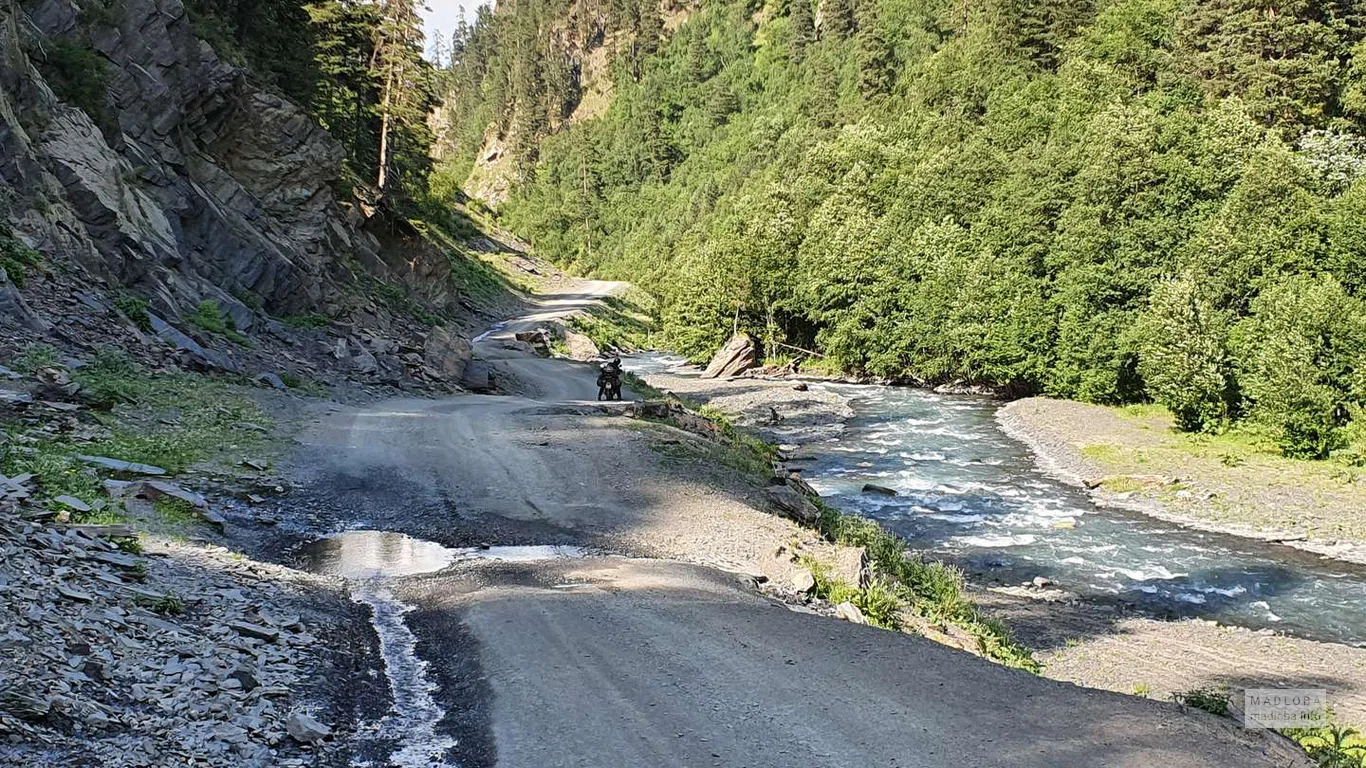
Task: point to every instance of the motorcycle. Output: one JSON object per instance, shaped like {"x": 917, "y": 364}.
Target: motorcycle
{"x": 609, "y": 383}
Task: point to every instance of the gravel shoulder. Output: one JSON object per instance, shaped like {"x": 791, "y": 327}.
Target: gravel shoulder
{"x": 1133, "y": 459}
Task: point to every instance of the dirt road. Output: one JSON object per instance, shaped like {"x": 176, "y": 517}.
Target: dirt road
{"x": 615, "y": 661}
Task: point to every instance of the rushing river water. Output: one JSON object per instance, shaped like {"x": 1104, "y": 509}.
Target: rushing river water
{"x": 969, "y": 494}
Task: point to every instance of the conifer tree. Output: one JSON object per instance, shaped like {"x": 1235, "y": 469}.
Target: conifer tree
{"x": 803, "y": 29}
{"x": 401, "y": 73}
{"x": 839, "y": 19}
{"x": 875, "y": 60}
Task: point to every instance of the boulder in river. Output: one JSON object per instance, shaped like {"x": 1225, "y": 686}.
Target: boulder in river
{"x": 738, "y": 356}
{"x": 881, "y": 490}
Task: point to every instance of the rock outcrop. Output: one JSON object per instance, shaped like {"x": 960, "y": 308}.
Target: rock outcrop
{"x": 738, "y": 356}
{"x": 187, "y": 182}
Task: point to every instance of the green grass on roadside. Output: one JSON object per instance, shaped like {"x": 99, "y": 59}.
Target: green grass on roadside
{"x": 173, "y": 422}
{"x": 928, "y": 588}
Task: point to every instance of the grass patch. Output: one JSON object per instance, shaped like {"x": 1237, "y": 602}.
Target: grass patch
{"x": 135, "y": 308}
{"x": 37, "y": 356}
{"x": 642, "y": 387}
{"x": 112, "y": 378}
{"x": 1122, "y": 484}
{"x": 172, "y": 422}
{"x": 176, "y": 511}
{"x": 307, "y": 321}
{"x": 58, "y": 473}
{"x": 931, "y": 589}
{"x": 1213, "y": 700}
{"x": 752, "y": 455}
{"x": 1103, "y": 453}
{"x": 1144, "y": 411}
{"x": 210, "y": 317}
{"x": 18, "y": 260}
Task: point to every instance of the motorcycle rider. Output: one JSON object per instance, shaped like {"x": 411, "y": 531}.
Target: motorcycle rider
{"x": 609, "y": 377}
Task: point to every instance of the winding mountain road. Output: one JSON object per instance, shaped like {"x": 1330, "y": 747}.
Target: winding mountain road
{"x": 626, "y": 661}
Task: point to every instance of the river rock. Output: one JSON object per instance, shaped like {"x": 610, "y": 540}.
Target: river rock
{"x": 268, "y": 634}
{"x": 803, "y": 581}
{"x": 737, "y": 356}
{"x": 792, "y": 504}
{"x": 118, "y": 465}
{"x": 72, "y": 503}
{"x": 446, "y": 354}
{"x": 850, "y": 613}
{"x": 881, "y": 490}
{"x": 851, "y": 566}
{"x": 305, "y": 729}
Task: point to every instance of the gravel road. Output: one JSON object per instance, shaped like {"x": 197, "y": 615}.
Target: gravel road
{"x": 615, "y": 661}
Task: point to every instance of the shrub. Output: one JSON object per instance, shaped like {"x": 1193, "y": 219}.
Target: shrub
{"x": 135, "y": 307}
{"x": 1182, "y": 355}
{"x": 209, "y": 316}
{"x": 77, "y": 74}
{"x": 1297, "y": 357}
{"x": 16, "y": 258}
{"x": 35, "y": 356}
{"x": 1333, "y": 746}
{"x": 1214, "y": 701}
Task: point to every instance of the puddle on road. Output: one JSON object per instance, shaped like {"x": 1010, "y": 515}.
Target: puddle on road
{"x": 368, "y": 555}
{"x": 369, "y": 559}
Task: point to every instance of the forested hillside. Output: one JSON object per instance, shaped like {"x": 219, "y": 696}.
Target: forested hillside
{"x": 1109, "y": 200}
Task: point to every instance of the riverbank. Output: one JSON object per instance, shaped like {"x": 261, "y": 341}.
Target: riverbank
{"x": 1099, "y": 644}
{"x": 1131, "y": 458}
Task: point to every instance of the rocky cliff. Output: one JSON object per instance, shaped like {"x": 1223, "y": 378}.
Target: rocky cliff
{"x": 177, "y": 179}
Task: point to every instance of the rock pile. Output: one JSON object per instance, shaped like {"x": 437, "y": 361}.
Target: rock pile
{"x": 181, "y": 656}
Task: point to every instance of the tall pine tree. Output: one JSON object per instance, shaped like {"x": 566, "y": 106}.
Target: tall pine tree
{"x": 875, "y": 59}
{"x": 803, "y": 29}
{"x": 405, "y": 94}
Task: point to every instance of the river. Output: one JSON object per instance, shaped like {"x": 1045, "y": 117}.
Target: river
{"x": 969, "y": 494}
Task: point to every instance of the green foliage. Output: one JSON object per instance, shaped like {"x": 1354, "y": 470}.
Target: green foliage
{"x": 932, "y": 589}
{"x": 176, "y": 511}
{"x": 1083, "y": 198}
{"x": 1183, "y": 359}
{"x": 307, "y": 320}
{"x": 209, "y": 316}
{"x": 111, "y": 378}
{"x": 1332, "y": 746}
{"x": 36, "y": 356}
{"x": 57, "y": 472}
{"x": 135, "y": 308}
{"x": 1300, "y": 354}
{"x": 1213, "y": 700}
{"x": 17, "y": 259}
{"x": 77, "y": 73}
{"x": 168, "y": 604}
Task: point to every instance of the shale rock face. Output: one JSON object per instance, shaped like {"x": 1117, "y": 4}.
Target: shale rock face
{"x": 190, "y": 183}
